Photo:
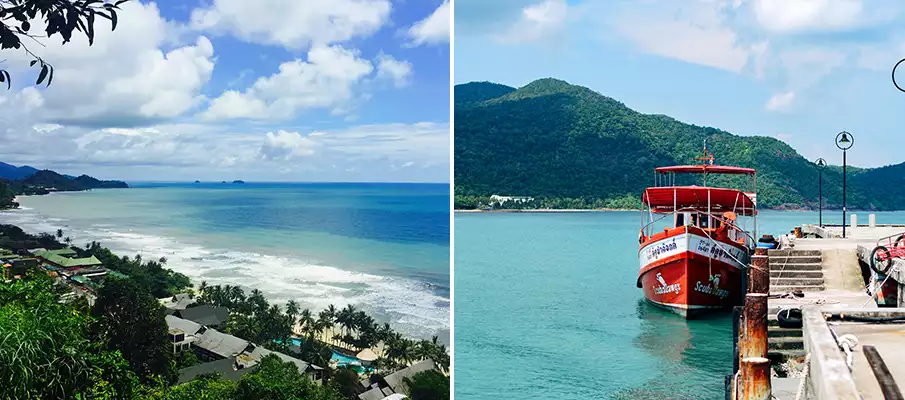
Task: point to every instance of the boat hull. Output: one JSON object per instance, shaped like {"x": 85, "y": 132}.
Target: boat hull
{"x": 690, "y": 275}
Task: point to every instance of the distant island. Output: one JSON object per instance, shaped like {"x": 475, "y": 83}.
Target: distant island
{"x": 197, "y": 181}
{"x": 15, "y": 181}
{"x": 554, "y": 145}
{"x": 238, "y": 181}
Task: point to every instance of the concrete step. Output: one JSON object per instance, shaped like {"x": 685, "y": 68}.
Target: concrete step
{"x": 796, "y": 274}
{"x": 796, "y": 267}
{"x": 789, "y": 281}
{"x": 793, "y": 252}
{"x": 785, "y": 343}
{"x": 780, "y": 355}
{"x": 783, "y": 332}
{"x": 779, "y": 260}
{"x": 780, "y": 289}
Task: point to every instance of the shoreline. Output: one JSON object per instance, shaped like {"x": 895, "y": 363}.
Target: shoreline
{"x": 415, "y": 323}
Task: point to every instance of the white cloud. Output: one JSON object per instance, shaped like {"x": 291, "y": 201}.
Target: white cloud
{"x": 326, "y": 81}
{"x": 432, "y": 30}
{"x": 284, "y": 145}
{"x": 693, "y": 32}
{"x": 399, "y": 72}
{"x": 807, "y": 66}
{"x": 537, "y": 22}
{"x": 780, "y": 101}
{"x": 783, "y": 16}
{"x": 293, "y": 24}
{"x": 124, "y": 78}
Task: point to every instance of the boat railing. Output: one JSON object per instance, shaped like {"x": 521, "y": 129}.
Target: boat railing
{"x": 647, "y": 230}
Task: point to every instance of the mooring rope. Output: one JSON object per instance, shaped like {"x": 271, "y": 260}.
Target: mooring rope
{"x": 873, "y": 291}
{"x": 802, "y": 386}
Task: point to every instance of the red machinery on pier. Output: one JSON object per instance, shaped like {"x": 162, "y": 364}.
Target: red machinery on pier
{"x": 693, "y": 249}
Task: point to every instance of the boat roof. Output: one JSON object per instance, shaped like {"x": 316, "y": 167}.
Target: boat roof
{"x": 709, "y": 169}
{"x": 668, "y": 199}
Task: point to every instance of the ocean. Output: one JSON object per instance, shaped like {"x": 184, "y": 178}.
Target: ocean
{"x": 547, "y": 307}
{"x": 383, "y": 247}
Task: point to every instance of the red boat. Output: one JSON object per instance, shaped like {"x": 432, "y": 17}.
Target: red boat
{"x": 693, "y": 248}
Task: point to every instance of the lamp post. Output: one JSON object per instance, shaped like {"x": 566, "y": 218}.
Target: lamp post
{"x": 844, "y": 141}
{"x": 820, "y": 164}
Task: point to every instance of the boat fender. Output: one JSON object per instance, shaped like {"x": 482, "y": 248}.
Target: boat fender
{"x": 790, "y": 318}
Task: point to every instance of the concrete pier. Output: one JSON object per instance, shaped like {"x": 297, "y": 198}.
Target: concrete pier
{"x": 833, "y": 272}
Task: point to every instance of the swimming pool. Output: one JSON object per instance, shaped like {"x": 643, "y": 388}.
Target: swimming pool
{"x": 341, "y": 359}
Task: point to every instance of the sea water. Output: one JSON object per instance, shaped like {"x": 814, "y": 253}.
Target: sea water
{"x": 381, "y": 247}
{"x": 546, "y": 306}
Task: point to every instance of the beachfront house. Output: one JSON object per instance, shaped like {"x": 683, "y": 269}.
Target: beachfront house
{"x": 204, "y": 314}
{"x": 180, "y": 301}
{"x": 251, "y": 358}
{"x": 213, "y": 345}
{"x": 182, "y": 332}
{"x": 395, "y": 383}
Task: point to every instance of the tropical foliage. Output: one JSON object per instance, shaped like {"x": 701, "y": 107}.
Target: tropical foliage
{"x": 428, "y": 385}
{"x": 570, "y": 147}
{"x": 46, "y": 350}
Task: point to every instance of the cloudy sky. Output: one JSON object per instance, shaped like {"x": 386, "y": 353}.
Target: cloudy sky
{"x": 800, "y": 71}
{"x": 265, "y": 90}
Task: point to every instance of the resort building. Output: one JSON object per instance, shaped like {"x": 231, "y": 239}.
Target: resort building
{"x": 14, "y": 266}
{"x": 395, "y": 383}
{"x": 516, "y": 199}
{"x": 204, "y": 314}
{"x": 67, "y": 264}
{"x": 225, "y": 354}
{"x": 182, "y": 332}
{"x": 251, "y": 358}
{"x": 180, "y": 301}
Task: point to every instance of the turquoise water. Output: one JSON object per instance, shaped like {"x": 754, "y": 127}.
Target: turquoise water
{"x": 342, "y": 359}
{"x": 382, "y": 247}
{"x": 546, "y": 307}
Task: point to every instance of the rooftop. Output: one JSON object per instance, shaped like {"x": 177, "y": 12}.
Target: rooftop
{"x": 221, "y": 344}
{"x": 223, "y": 367}
{"x": 205, "y": 314}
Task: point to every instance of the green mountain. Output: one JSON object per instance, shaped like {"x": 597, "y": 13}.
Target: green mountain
{"x": 46, "y": 181}
{"x": 571, "y": 147}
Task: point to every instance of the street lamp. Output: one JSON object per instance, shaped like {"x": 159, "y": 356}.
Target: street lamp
{"x": 820, "y": 164}
{"x": 844, "y": 141}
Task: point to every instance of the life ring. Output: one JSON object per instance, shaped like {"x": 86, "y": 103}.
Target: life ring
{"x": 880, "y": 266}
{"x": 790, "y": 318}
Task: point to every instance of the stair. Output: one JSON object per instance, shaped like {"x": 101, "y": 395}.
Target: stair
{"x": 795, "y": 270}
{"x": 791, "y": 270}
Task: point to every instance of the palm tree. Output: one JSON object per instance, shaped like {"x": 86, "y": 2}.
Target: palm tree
{"x": 306, "y": 321}
{"x": 162, "y": 260}
{"x": 59, "y": 233}
{"x": 68, "y": 240}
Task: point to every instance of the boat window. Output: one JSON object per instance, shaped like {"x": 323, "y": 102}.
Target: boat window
{"x": 680, "y": 219}
{"x": 704, "y": 221}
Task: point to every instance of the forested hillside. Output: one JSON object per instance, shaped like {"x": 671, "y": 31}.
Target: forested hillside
{"x": 571, "y": 147}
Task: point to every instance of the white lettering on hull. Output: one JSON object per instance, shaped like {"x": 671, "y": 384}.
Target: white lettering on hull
{"x": 664, "y": 288}
{"x": 698, "y": 245}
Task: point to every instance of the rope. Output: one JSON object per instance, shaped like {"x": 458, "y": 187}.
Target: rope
{"x": 847, "y": 343}
{"x": 873, "y": 291}
{"x": 802, "y": 386}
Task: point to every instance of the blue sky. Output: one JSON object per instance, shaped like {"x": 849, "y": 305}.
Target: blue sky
{"x": 271, "y": 90}
{"x": 798, "y": 71}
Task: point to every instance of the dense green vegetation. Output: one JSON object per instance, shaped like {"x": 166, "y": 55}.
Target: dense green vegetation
{"x": 570, "y": 147}
{"x": 428, "y": 385}
{"x": 53, "y": 346}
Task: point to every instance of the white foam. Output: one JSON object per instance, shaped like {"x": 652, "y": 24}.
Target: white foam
{"x": 406, "y": 304}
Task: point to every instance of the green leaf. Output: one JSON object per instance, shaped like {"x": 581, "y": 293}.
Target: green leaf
{"x": 50, "y": 79}
{"x": 43, "y": 75}
{"x": 32, "y": 63}
{"x": 113, "y": 18}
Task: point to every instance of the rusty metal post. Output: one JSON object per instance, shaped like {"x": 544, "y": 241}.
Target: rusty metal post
{"x": 759, "y": 272}
{"x": 798, "y": 232}
{"x": 753, "y": 337}
{"x": 755, "y": 379}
